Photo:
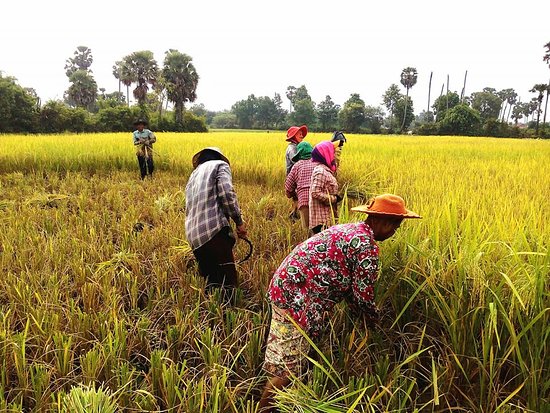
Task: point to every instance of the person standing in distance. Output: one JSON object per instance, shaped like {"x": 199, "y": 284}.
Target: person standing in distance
{"x": 143, "y": 141}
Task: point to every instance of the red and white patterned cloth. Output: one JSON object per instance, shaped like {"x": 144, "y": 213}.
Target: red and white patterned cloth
{"x": 340, "y": 263}
{"x": 322, "y": 197}
{"x": 298, "y": 181}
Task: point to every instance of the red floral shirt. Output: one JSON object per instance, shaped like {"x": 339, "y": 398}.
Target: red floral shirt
{"x": 340, "y": 263}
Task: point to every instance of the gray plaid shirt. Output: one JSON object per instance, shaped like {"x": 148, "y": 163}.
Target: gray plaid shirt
{"x": 210, "y": 201}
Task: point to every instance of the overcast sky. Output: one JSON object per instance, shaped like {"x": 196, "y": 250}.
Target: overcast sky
{"x": 260, "y": 47}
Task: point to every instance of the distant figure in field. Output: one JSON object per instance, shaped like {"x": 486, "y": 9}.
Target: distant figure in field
{"x": 298, "y": 181}
{"x": 294, "y": 135}
{"x": 340, "y": 263}
{"x": 210, "y": 202}
{"x": 143, "y": 141}
{"x": 339, "y": 137}
{"x": 323, "y": 192}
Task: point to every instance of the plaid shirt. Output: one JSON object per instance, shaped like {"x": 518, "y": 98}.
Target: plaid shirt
{"x": 322, "y": 196}
{"x": 340, "y": 263}
{"x": 298, "y": 181}
{"x": 210, "y": 201}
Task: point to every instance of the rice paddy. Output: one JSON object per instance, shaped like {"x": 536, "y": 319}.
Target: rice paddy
{"x": 101, "y": 305}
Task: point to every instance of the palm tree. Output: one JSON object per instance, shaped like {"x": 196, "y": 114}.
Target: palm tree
{"x": 409, "y": 77}
{"x": 546, "y": 56}
{"x": 141, "y": 68}
{"x": 181, "y": 80}
{"x": 541, "y": 88}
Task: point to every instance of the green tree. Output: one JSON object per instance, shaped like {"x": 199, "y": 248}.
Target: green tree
{"x": 280, "y": 112}
{"x": 374, "y": 117}
{"x": 82, "y": 60}
{"x": 352, "y": 114}
{"x": 55, "y": 117}
{"x": 111, "y": 100}
{"x": 487, "y": 103}
{"x": 123, "y": 75}
{"x": 540, "y": 89}
{"x": 266, "y": 112}
{"x": 327, "y": 114}
{"x": 546, "y": 57}
{"x": 443, "y": 103}
{"x": 461, "y": 120}
{"x": 140, "y": 68}
{"x": 409, "y": 76}
{"x": 18, "y": 107}
{"x": 245, "y": 112}
{"x": 304, "y": 113}
{"x": 181, "y": 80}
{"x": 517, "y": 112}
{"x": 224, "y": 120}
{"x": 389, "y": 99}
{"x": 82, "y": 92}
{"x": 404, "y": 109}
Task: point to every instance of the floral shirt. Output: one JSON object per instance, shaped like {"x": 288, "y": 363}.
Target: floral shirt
{"x": 340, "y": 263}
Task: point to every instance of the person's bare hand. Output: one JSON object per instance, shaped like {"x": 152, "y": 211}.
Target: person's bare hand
{"x": 241, "y": 230}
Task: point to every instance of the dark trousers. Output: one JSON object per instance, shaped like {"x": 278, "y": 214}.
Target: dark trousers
{"x": 145, "y": 165}
{"x": 217, "y": 264}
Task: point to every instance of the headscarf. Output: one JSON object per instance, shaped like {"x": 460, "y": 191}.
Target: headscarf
{"x": 323, "y": 153}
{"x": 303, "y": 151}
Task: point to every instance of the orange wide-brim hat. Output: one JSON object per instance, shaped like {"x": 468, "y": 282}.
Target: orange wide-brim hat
{"x": 293, "y": 130}
{"x": 387, "y": 205}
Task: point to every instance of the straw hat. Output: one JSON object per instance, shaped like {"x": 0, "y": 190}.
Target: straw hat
{"x": 387, "y": 205}
{"x": 293, "y": 130}
{"x": 210, "y": 148}
{"x": 141, "y": 122}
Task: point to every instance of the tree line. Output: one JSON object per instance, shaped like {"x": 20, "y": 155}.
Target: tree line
{"x": 162, "y": 94}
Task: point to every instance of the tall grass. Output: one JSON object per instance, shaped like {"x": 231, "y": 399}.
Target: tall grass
{"x": 96, "y": 309}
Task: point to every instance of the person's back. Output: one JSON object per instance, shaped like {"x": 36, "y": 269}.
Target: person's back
{"x": 204, "y": 216}
{"x": 336, "y": 264}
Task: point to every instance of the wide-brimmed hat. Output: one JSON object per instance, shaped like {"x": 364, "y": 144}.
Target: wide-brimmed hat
{"x": 141, "y": 122}
{"x": 212, "y": 149}
{"x": 293, "y": 130}
{"x": 387, "y": 205}
{"x": 303, "y": 151}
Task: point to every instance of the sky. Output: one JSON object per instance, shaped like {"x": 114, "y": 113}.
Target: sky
{"x": 261, "y": 47}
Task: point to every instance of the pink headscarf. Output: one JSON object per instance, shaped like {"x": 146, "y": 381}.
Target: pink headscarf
{"x": 323, "y": 153}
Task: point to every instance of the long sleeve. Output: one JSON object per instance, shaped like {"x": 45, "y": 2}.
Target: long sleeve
{"x": 365, "y": 275}
{"x": 226, "y": 194}
{"x": 319, "y": 187}
{"x": 291, "y": 183}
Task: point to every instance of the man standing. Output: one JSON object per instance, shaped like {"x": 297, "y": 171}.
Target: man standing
{"x": 340, "y": 263}
{"x": 210, "y": 203}
{"x": 143, "y": 141}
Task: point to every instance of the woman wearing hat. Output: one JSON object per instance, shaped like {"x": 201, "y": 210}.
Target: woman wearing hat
{"x": 143, "y": 141}
{"x": 294, "y": 135}
{"x": 340, "y": 263}
{"x": 299, "y": 179}
{"x": 210, "y": 203}
{"x": 323, "y": 193}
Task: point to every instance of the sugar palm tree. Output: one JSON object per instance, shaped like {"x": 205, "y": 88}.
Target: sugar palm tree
{"x": 541, "y": 89}
{"x": 409, "y": 76}
{"x": 141, "y": 68}
{"x": 181, "y": 80}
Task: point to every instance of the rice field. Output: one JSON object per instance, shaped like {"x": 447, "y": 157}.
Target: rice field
{"x": 102, "y": 308}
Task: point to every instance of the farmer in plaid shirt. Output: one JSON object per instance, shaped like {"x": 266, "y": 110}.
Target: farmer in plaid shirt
{"x": 210, "y": 203}
{"x": 323, "y": 192}
{"x": 299, "y": 179}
